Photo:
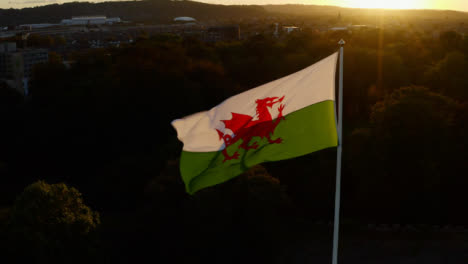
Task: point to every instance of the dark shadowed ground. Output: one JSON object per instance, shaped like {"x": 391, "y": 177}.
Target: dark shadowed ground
{"x": 385, "y": 244}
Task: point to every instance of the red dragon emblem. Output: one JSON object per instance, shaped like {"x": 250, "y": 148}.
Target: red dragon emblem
{"x": 245, "y": 128}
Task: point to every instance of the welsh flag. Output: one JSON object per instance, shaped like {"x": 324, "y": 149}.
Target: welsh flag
{"x": 283, "y": 119}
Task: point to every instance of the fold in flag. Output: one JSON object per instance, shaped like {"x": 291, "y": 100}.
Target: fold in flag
{"x": 283, "y": 119}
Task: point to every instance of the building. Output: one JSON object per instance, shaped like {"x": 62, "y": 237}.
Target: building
{"x": 90, "y": 20}
{"x": 11, "y": 63}
{"x": 7, "y": 47}
{"x": 338, "y": 29}
{"x": 36, "y": 26}
{"x": 222, "y": 33}
{"x": 289, "y": 29}
{"x": 31, "y": 57}
{"x": 16, "y": 65}
{"x": 185, "y": 20}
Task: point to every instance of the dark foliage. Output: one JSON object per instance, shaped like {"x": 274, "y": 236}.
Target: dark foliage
{"x": 50, "y": 223}
{"x": 103, "y": 125}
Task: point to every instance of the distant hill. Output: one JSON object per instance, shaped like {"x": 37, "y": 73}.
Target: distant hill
{"x": 314, "y": 10}
{"x": 157, "y": 11}
{"x": 163, "y": 11}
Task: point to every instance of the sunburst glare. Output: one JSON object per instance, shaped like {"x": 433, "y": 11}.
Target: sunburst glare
{"x": 393, "y": 4}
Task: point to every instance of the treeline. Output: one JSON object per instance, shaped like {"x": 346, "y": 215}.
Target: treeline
{"x": 366, "y": 13}
{"x": 102, "y": 125}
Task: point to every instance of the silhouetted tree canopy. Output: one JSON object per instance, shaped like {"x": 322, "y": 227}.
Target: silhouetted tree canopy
{"x": 101, "y": 123}
{"x": 52, "y": 223}
{"x": 410, "y": 142}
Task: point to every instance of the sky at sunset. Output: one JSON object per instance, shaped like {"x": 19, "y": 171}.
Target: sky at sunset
{"x": 399, "y": 4}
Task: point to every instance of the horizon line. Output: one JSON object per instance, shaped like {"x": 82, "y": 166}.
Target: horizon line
{"x": 202, "y": 2}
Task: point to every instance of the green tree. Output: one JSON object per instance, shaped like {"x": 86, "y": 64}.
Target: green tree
{"x": 60, "y": 41}
{"x": 251, "y": 211}
{"x": 451, "y": 40}
{"x": 449, "y": 75}
{"x": 52, "y": 222}
{"x": 40, "y": 41}
{"x": 408, "y": 147}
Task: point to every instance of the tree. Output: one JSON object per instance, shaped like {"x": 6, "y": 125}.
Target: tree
{"x": 243, "y": 218}
{"x": 40, "y": 41}
{"x": 449, "y": 75}
{"x": 408, "y": 147}
{"x": 52, "y": 221}
{"x": 451, "y": 40}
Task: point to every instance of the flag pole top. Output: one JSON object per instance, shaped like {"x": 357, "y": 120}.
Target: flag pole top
{"x": 341, "y": 42}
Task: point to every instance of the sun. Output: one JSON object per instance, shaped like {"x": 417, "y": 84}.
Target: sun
{"x": 391, "y": 4}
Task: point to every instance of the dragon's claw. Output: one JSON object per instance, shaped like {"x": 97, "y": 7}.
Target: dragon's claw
{"x": 281, "y": 108}
{"x": 247, "y": 147}
{"x": 234, "y": 156}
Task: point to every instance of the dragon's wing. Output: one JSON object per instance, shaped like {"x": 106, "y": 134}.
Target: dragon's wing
{"x": 237, "y": 122}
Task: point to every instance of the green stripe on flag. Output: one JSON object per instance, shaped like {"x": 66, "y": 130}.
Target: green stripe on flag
{"x": 304, "y": 131}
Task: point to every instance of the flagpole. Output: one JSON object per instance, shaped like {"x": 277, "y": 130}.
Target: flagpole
{"x": 336, "y": 222}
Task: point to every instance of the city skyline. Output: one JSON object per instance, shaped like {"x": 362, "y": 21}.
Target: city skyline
{"x": 459, "y": 5}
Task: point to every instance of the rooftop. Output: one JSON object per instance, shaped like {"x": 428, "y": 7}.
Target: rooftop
{"x": 188, "y": 19}
{"x": 88, "y": 17}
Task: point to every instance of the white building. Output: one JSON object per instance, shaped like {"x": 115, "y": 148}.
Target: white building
{"x": 37, "y": 26}
{"x": 90, "y": 20}
{"x": 289, "y": 29}
{"x": 185, "y": 19}
{"x": 338, "y": 29}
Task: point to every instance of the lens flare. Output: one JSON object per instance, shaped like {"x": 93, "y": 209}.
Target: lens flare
{"x": 391, "y": 4}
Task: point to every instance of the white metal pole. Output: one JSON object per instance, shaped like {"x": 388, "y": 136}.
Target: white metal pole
{"x": 336, "y": 222}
